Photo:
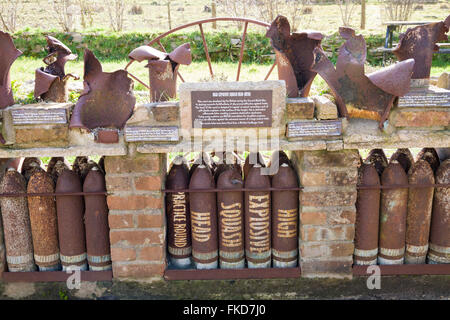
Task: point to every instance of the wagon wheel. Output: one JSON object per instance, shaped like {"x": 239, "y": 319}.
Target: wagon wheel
{"x": 200, "y": 23}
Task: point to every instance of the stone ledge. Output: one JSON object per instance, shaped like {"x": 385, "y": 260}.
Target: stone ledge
{"x": 94, "y": 149}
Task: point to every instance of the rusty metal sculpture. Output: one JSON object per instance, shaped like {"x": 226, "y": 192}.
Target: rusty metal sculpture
{"x": 107, "y": 100}
{"x": 419, "y": 43}
{"x": 8, "y": 53}
{"x": 163, "y": 68}
{"x": 358, "y": 95}
{"x": 51, "y": 82}
{"x": 294, "y": 56}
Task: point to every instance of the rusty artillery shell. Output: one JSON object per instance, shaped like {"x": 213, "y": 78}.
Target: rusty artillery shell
{"x": 284, "y": 218}
{"x": 70, "y": 212}
{"x": 404, "y": 157}
{"x": 179, "y": 241}
{"x": 393, "y": 215}
{"x": 30, "y": 166}
{"x": 430, "y": 155}
{"x": 16, "y": 223}
{"x": 96, "y": 222}
{"x": 228, "y": 161}
{"x": 418, "y": 219}
{"x": 257, "y": 220}
{"x": 367, "y": 216}
{"x": 378, "y": 159}
{"x": 56, "y": 166}
{"x": 231, "y": 220}
{"x": 251, "y": 160}
{"x": 440, "y": 219}
{"x": 203, "y": 158}
{"x": 101, "y": 163}
{"x": 203, "y": 220}
{"x": 44, "y": 225}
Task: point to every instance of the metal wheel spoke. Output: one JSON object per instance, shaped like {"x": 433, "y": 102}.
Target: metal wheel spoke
{"x": 164, "y": 50}
{"x": 206, "y": 50}
{"x": 138, "y": 80}
{"x": 241, "y": 55}
{"x": 270, "y": 71}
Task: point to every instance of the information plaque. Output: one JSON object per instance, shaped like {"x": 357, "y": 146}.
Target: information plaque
{"x": 151, "y": 133}
{"x": 232, "y": 108}
{"x": 436, "y": 97}
{"x": 38, "y": 116}
{"x": 314, "y": 128}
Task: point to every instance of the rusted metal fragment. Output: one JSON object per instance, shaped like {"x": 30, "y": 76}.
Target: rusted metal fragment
{"x": 44, "y": 225}
{"x": 101, "y": 164}
{"x": 203, "y": 220}
{"x": 231, "y": 219}
{"x": 107, "y": 99}
{"x": 71, "y": 231}
{"x": 419, "y": 43}
{"x": 96, "y": 222}
{"x": 367, "y": 216}
{"x": 179, "y": 242}
{"x": 252, "y": 159}
{"x": 294, "y": 55}
{"x": 431, "y": 156}
{"x": 358, "y": 95}
{"x": 30, "y": 166}
{"x": 56, "y": 166}
{"x": 8, "y": 54}
{"x": 404, "y": 157}
{"x": 420, "y": 203}
{"x": 163, "y": 69}
{"x": 285, "y": 218}
{"x": 440, "y": 220}
{"x": 378, "y": 159}
{"x": 258, "y": 249}
{"x": 16, "y": 223}
{"x": 51, "y": 82}
{"x": 393, "y": 215}
{"x": 82, "y": 165}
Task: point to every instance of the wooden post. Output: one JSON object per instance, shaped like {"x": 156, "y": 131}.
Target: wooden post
{"x": 168, "y": 14}
{"x": 363, "y": 14}
{"x": 213, "y": 13}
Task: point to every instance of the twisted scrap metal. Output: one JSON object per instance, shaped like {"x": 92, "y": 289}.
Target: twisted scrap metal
{"x": 8, "y": 54}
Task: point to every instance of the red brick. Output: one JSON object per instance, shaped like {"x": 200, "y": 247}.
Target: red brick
{"x": 134, "y": 202}
{"x": 314, "y": 218}
{"x": 120, "y": 221}
{"x": 151, "y": 183}
{"x": 327, "y": 159}
{"x": 342, "y": 249}
{"x": 323, "y": 267}
{"x": 422, "y": 118}
{"x": 150, "y": 221}
{"x": 136, "y": 237}
{"x": 327, "y": 233}
{"x": 151, "y": 253}
{"x": 123, "y": 254}
{"x": 118, "y": 183}
{"x": 341, "y": 216}
{"x": 143, "y": 163}
{"x": 138, "y": 270}
{"x": 327, "y": 198}
{"x": 317, "y": 178}
{"x": 316, "y": 250}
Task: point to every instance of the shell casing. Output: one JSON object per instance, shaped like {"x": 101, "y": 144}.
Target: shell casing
{"x": 393, "y": 215}
{"x": 431, "y": 156}
{"x": 44, "y": 224}
{"x": 377, "y": 157}
{"x": 179, "y": 240}
{"x": 258, "y": 250}
{"x": 252, "y": 159}
{"x": 418, "y": 219}
{"x": 404, "y": 157}
{"x": 231, "y": 220}
{"x": 16, "y": 224}
{"x": 367, "y": 216}
{"x": 30, "y": 166}
{"x": 70, "y": 213}
{"x": 439, "y": 251}
{"x": 285, "y": 218}
{"x": 203, "y": 211}
{"x": 96, "y": 222}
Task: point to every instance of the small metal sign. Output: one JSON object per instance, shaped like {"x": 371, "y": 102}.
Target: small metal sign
{"x": 314, "y": 128}
{"x": 39, "y": 116}
{"x": 150, "y": 133}
{"x": 232, "y": 108}
{"x": 425, "y": 99}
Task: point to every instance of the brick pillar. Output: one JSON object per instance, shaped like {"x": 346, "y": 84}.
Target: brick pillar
{"x": 136, "y": 215}
{"x": 327, "y": 211}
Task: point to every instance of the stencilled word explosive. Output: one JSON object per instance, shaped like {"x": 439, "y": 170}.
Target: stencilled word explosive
{"x": 232, "y": 224}
{"x": 374, "y": 280}
{"x": 201, "y": 226}
{"x": 179, "y": 219}
{"x": 74, "y": 280}
{"x": 259, "y": 223}
{"x": 287, "y": 225}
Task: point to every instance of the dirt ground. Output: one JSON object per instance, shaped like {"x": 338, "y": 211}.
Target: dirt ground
{"x": 392, "y": 288}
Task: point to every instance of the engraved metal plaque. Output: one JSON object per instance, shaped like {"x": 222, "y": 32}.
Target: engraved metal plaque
{"x": 39, "y": 116}
{"x": 150, "y": 133}
{"x": 425, "y": 98}
{"x": 314, "y": 128}
{"x": 232, "y": 108}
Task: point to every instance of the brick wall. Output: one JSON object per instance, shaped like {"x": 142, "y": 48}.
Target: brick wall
{"x": 327, "y": 211}
{"x": 136, "y": 216}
